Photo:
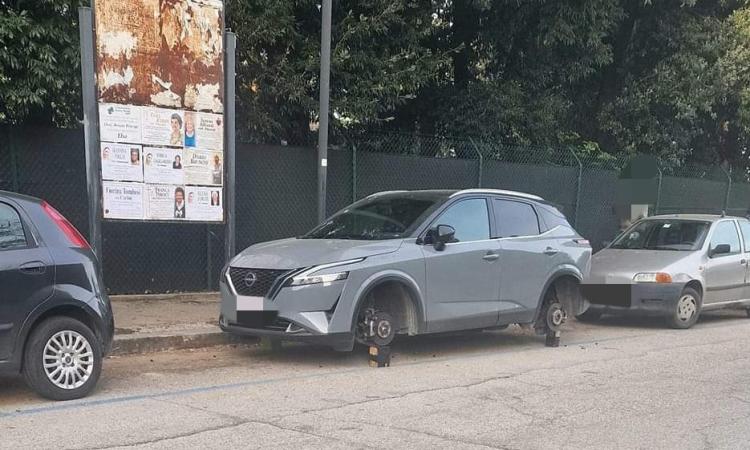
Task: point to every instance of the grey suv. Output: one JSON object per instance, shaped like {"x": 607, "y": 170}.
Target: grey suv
{"x": 410, "y": 262}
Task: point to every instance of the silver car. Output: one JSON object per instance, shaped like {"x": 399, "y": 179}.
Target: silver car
{"x": 675, "y": 266}
{"x": 410, "y": 262}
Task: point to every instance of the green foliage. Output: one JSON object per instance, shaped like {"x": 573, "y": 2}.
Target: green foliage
{"x": 39, "y": 62}
{"x": 609, "y": 77}
{"x": 378, "y": 63}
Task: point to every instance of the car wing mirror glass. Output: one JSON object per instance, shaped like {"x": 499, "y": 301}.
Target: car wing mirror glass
{"x": 721, "y": 249}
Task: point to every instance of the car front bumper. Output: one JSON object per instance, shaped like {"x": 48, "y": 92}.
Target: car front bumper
{"x": 648, "y": 298}
{"x": 267, "y": 324}
{"x": 303, "y": 314}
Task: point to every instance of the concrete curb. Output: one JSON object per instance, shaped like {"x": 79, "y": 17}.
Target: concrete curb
{"x": 130, "y": 344}
{"x": 177, "y": 296}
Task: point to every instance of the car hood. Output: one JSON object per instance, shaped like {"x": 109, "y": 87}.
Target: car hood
{"x": 296, "y": 253}
{"x": 619, "y": 266}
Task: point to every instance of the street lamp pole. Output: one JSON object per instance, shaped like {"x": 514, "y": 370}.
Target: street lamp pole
{"x": 325, "y": 81}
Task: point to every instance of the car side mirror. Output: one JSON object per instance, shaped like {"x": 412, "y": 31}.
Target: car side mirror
{"x": 721, "y": 249}
{"x": 442, "y": 235}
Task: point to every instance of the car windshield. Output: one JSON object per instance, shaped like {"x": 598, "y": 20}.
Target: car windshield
{"x": 663, "y": 234}
{"x": 376, "y": 219}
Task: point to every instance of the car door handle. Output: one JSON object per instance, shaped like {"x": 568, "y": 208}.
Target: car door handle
{"x": 33, "y": 268}
{"x": 549, "y": 251}
{"x": 490, "y": 256}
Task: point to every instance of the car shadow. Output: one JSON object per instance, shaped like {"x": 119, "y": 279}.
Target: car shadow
{"x": 632, "y": 320}
{"x": 403, "y": 349}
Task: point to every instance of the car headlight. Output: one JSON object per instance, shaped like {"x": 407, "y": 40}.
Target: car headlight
{"x": 311, "y": 276}
{"x": 300, "y": 280}
{"x": 652, "y": 277}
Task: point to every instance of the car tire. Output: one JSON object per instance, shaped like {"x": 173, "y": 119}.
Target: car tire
{"x": 686, "y": 310}
{"x": 62, "y": 359}
{"x": 590, "y": 315}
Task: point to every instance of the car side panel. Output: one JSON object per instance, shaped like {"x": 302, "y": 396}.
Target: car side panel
{"x": 27, "y": 276}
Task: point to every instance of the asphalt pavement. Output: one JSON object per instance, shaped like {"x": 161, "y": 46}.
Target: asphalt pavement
{"x": 622, "y": 383}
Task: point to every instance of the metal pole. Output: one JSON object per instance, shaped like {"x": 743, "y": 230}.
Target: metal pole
{"x": 325, "y": 80}
{"x": 230, "y": 238}
{"x": 91, "y": 128}
{"x": 481, "y": 162}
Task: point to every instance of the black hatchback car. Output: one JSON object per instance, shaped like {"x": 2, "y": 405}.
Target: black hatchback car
{"x": 56, "y": 322}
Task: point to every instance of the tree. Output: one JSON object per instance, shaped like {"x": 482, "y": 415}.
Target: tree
{"x": 39, "y": 62}
{"x": 378, "y": 63}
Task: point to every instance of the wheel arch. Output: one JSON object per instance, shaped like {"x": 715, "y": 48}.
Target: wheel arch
{"x": 562, "y": 273}
{"x": 411, "y": 288}
{"x": 73, "y": 309}
{"x": 697, "y": 285}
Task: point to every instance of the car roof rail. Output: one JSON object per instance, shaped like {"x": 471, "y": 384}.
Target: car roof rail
{"x": 499, "y": 192}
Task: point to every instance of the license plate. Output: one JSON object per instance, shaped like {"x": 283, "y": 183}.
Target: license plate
{"x": 246, "y": 303}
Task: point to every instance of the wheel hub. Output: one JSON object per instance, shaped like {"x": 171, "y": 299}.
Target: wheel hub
{"x": 384, "y": 329}
{"x": 68, "y": 360}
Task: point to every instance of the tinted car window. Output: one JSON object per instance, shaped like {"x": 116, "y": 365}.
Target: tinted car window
{"x": 552, "y": 217}
{"x": 11, "y": 229}
{"x": 515, "y": 219}
{"x": 663, "y": 234}
{"x": 745, "y": 227}
{"x": 469, "y": 218}
{"x": 726, "y": 233}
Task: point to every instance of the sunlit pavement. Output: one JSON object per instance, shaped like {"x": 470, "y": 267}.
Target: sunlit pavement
{"x": 620, "y": 383}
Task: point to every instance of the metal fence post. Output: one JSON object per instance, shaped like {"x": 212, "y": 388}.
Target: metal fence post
{"x": 13, "y": 161}
{"x": 91, "y": 128}
{"x": 658, "y": 191}
{"x": 729, "y": 187}
{"x": 579, "y": 186}
{"x": 230, "y": 239}
{"x": 354, "y": 173}
{"x": 481, "y": 161}
{"x": 209, "y": 259}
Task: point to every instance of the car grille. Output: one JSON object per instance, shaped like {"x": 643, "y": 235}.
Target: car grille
{"x": 254, "y": 282}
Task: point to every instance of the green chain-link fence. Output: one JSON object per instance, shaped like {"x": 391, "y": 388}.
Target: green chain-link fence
{"x": 276, "y": 190}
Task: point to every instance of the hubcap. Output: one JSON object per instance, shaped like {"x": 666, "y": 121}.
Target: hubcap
{"x": 68, "y": 360}
{"x": 384, "y": 329}
{"x": 686, "y": 308}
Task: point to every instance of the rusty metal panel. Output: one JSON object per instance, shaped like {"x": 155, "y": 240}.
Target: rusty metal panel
{"x": 165, "y": 53}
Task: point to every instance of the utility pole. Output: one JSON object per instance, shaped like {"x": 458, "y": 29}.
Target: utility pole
{"x": 325, "y": 84}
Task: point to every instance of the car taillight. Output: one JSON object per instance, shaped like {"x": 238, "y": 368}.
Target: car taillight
{"x": 73, "y": 235}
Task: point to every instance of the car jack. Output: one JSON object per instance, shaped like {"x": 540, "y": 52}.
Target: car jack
{"x": 380, "y": 356}
{"x": 552, "y": 339}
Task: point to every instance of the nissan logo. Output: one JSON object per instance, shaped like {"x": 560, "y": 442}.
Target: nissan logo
{"x": 250, "y": 279}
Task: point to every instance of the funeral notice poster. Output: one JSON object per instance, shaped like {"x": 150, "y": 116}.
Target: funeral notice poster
{"x": 121, "y": 162}
{"x": 122, "y": 200}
